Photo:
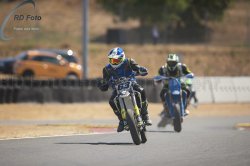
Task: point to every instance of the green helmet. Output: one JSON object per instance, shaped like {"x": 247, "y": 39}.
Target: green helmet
{"x": 172, "y": 61}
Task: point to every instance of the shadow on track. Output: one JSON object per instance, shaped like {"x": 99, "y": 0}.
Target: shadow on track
{"x": 94, "y": 143}
{"x": 160, "y": 131}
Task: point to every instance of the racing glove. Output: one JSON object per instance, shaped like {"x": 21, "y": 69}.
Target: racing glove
{"x": 102, "y": 85}
{"x": 143, "y": 71}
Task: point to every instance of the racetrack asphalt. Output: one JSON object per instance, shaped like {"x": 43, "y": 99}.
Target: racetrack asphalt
{"x": 203, "y": 141}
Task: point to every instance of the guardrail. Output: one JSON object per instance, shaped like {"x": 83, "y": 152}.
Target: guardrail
{"x": 209, "y": 90}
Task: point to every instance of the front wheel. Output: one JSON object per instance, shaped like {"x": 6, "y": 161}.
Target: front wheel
{"x": 134, "y": 131}
{"x": 177, "y": 120}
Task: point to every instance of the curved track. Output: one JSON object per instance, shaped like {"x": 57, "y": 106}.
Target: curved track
{"x": 203, "y": 141}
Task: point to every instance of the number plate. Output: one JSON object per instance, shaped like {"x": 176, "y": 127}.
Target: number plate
{"x": 125, "y": 85}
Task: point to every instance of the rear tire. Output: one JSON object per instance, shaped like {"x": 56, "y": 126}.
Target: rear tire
{"x": 72, "y": 77}
{"x": 28, "y": 74}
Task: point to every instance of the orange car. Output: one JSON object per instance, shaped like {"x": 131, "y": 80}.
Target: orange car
{"x": 45, "y": 64}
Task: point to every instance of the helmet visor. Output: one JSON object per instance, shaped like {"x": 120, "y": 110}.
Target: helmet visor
{"x": 114, "y": 61}
{"x": 171, "y": 63}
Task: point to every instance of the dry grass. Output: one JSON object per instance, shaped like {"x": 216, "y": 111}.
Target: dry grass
{"x": 55, "y": 111}
{"x": 203, "y": 60}
{"x": 24, "y": 131}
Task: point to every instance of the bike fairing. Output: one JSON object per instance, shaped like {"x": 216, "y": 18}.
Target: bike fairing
{"x": 176, "y": 85}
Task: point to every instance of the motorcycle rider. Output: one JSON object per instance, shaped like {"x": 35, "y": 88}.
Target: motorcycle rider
{"x": 173, "y": 68}
{"x": 120, "y": 66}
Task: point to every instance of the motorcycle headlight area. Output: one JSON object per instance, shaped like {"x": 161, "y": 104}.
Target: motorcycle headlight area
{"x": 176, "y": 92}
{"x": 124, "y": 93}
{"x": 123, "y": 88}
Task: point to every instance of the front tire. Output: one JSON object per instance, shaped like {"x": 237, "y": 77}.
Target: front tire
{"x": 134, "y": 131}
{"x": 177, "y": 120}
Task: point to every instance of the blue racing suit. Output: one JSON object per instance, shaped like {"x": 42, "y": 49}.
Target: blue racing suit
{"x": 126, "y": 69}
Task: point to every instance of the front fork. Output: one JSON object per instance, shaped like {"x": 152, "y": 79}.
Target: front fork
{"x": 171, "y": 100}
{"x": 125, "y": 102}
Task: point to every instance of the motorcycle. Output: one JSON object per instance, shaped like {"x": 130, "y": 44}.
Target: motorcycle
{"x": 175, "y": 101}
{"x": 128, "y": 101}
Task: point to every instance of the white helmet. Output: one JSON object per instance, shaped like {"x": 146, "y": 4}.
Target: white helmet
{"x": 172, "y": 61}
{"x": 116, "y": 57}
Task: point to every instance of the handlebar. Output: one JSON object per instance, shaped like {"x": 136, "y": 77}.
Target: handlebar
{"x": 191, "y": 75}
{"x": 160, "y": 78}
{"x": 118, "y": 80}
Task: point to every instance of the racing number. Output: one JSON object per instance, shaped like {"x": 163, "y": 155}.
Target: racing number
{"x": 123, "y": 85}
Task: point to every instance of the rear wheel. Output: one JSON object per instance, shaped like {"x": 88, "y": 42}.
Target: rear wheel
{"x": 28, "y": 74}
{"x": 72, "y": 77}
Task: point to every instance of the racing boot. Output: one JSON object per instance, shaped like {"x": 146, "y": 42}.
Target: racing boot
{"x": 147, "y": 120}
{"x": 125, "y": 124}
{"x": 120, "y": 127}
{"x": 187, "y": 112}
{"x": 139, "y": 120}
{"x": 144, "y": 113}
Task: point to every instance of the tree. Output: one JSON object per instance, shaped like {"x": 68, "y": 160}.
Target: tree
{"x": 167, "y": 11}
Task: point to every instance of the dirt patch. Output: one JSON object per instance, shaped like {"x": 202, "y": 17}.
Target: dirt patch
{"x": 24, "y": 131}
{"x": 57, "y": 111}
{"x": 92, "y": 111}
